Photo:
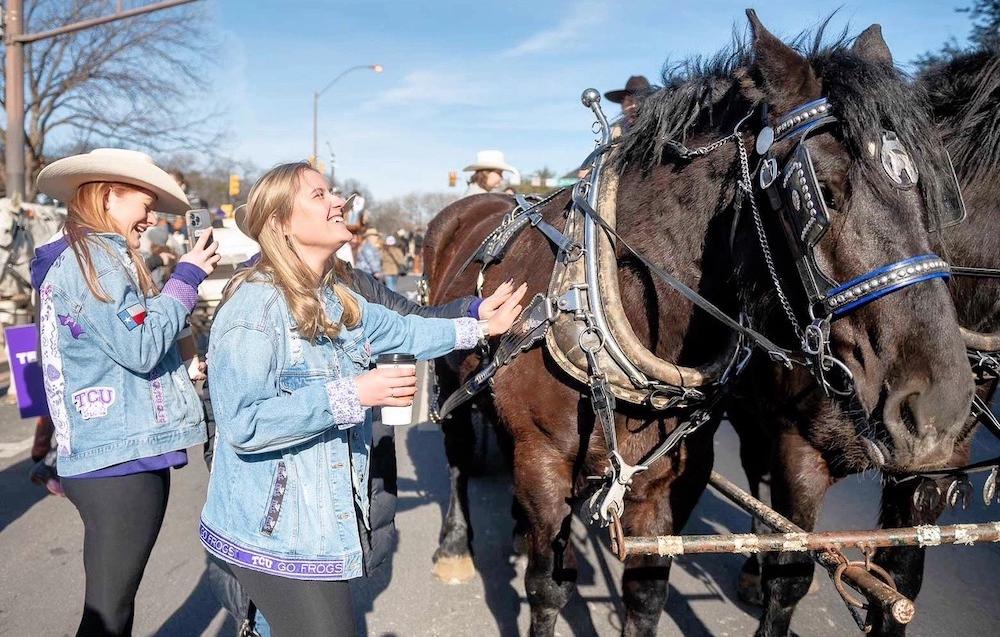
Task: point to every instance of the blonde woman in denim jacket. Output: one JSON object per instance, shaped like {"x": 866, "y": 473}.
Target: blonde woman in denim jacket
{"x": 288, "y": 359}
{"x": 121, "y": 402}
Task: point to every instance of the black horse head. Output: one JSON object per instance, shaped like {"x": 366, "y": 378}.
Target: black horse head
{"x": 878, "y": 181}
{"x": 883, "y": 180}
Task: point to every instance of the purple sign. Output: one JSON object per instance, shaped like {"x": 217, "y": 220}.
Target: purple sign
{"x": 25, "y": 370}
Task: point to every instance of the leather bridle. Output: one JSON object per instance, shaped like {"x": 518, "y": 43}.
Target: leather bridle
{"x": 793, "y": 190}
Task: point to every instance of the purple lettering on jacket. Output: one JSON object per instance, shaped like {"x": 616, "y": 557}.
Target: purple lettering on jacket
{"x": 93, "y": 402}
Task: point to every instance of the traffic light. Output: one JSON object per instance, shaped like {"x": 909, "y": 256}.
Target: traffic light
{"x": 452, "y": 178}
{"x": 234, "y": 185}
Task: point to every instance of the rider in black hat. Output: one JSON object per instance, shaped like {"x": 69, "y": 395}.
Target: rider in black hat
{"x": 636, "y": 89}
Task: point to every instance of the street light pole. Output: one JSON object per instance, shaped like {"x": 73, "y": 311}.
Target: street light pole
{"x": 374, "y": 67}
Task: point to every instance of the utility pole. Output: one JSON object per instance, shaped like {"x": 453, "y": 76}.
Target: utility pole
{"x": 14, "y": 40}
{"x": 333, "y": 166}
{"x": 14, "y": 84}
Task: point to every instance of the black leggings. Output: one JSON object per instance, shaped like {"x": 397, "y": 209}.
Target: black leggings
{"x": 298, "y": 608}
{"x": 121, "y": 519}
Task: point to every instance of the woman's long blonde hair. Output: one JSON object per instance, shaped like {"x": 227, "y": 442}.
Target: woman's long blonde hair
{"x": 87, "y": 212}
{"x": 274, "y": 196}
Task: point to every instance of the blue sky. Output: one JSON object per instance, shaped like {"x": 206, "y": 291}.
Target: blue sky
{"x": 460, "y": 77}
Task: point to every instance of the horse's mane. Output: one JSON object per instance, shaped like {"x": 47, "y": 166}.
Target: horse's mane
{"x": 698, "y": 96}
{"x": 964, "y": 92}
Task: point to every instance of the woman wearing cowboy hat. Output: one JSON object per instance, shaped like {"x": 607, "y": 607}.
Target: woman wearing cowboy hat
{"x": 487, "y": 172}
{"x": 290, "y": 349}
{"x": 120, "y": 398}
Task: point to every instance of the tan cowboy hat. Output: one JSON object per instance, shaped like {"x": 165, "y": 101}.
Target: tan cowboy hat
{"x": 489, "y": 160}
{"x": 61, "y": 178}
{"x": 240, "y": 214}
{"x": 371, "y": 232}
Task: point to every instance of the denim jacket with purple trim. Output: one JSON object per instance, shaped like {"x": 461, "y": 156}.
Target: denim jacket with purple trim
{"x": 115, "y": 384}
{"x": 290, "y": 472}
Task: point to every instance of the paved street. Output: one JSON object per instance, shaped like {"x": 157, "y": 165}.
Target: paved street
{"x": 42, "y": 586}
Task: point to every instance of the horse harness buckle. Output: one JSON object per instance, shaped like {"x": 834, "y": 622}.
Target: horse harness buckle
{"x": 609, "y": 501}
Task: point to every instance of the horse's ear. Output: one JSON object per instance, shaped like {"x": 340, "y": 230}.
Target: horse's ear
{"x": 788, "y": 77}
{"x": 871, "y": 45}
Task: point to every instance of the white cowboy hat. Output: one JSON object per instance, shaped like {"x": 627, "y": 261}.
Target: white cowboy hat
{"x": 489, "y": 160}
{"x": 61, "y": 178}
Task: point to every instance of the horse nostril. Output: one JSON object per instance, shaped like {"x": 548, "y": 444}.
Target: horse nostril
{"x": 906, "y": 415}
{"x": 898, "y": 409}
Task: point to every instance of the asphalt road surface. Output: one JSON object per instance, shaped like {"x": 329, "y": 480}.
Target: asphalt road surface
{"x": 41, "y": 588}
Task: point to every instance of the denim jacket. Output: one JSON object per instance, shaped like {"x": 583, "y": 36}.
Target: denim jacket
{"x": 115, "y": 384}
{"x": 290, "y": 472}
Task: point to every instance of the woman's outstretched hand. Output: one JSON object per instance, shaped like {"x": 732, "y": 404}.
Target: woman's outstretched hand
{"x": 492, "y": 303}
{"x": 387, "y": 387}
{"x": 504, "y": 316}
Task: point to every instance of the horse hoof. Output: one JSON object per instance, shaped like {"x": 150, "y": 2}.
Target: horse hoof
{"x": 749, "y": 590}
{"x": 454, "y": 570}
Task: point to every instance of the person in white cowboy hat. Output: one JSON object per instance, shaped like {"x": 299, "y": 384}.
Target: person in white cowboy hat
{"x": 120, "y": 398}
{"x": 487, "y": 172}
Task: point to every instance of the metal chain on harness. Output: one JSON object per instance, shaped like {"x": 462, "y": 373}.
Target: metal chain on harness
{"x": 745, "y": 189}
{"x": 815, "y": 337}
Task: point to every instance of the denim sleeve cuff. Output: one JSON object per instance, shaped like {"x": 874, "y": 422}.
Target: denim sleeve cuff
{"x": 345, "y": 404}
{"x": 189, "y": 273}
{"x": 474, "y": 308}
{"x": 186, "y": 294}
{"x": 466, "y": 333}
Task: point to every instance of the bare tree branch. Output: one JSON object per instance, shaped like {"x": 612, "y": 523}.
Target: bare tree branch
{"x": 133, "y": 83}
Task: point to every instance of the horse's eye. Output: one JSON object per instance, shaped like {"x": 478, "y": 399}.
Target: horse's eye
{"x": 828, "y": 197}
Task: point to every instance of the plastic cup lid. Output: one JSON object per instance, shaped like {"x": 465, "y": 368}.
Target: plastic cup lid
{"x": 395, "y": 359}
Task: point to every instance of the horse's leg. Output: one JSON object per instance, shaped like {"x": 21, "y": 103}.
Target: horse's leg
{"x": 519, "y": 539}
{"x": 663, "y": 510}
{"x": 453, "y": 558}
{"x": 754, "y": 453}
{"x": 799, "y": 480}
{"x": 905, "y": 563}
{"x": 543, "y": 487}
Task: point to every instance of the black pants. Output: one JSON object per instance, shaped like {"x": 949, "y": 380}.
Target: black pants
{"x": 298, "y": 608}
{"x": 121, "y": 519}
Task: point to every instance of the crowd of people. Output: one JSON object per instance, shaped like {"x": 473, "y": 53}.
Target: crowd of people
{"x": 290, "y": 374}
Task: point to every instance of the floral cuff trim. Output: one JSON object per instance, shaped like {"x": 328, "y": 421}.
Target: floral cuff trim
{"x": 177, "y": 289}
{"x": 466, "y": 333}
{"x": 345, "y": 404}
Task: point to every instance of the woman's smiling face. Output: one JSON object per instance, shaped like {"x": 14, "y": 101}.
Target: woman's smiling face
{"x": 317, "y": 219}
{"x": 131, "y": 212}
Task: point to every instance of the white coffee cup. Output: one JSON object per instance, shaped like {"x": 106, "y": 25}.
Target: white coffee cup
{"x": 397, "y": 415}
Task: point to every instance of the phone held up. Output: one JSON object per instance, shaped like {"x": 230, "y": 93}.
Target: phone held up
{"x": 198, "y": 222}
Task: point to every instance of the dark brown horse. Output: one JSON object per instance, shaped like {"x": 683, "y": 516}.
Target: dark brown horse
{"x": 679, "y": 212}
{"x": 797, "y": 444}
